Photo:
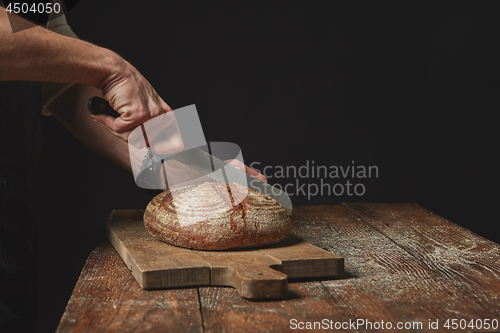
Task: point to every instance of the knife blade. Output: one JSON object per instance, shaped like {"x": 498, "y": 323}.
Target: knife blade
{"x": 198, "y": 159}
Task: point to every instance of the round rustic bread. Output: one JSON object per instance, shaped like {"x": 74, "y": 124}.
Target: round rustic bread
{"x": 234, "y": 221}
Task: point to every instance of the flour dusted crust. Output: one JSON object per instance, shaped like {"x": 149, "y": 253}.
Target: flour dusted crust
{"x": 235, "y": 222}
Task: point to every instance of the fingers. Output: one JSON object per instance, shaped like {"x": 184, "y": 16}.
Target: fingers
{"x": 132, "y": 118}
{"x": 133, "y": 97}
{"x": 237, "y": 164}
{"x": 255, "y": 174}
{"x": 122, "y": 124}
{"x": 161, "y": 134}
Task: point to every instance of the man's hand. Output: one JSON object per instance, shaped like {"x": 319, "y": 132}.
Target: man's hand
{"x": 251, "y": 172}
{"x": 133, "y": 97}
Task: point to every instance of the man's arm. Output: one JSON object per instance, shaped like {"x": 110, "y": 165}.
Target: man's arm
{"x": 37, "y": 54}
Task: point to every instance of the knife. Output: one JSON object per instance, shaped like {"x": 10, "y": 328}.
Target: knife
{"x": 199, "y": 159}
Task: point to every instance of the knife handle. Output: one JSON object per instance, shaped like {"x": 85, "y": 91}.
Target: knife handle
{"x": 98, "y": 105}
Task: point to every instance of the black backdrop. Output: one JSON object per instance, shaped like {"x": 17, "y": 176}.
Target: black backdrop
{"x": 410, "y": 88}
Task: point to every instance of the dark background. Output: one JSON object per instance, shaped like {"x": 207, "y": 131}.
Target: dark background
{"x": 410, "y": 88}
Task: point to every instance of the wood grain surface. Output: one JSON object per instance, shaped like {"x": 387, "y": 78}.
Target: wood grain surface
{"x": 107, "y": 298}
{"x": 153, "y": 263}
{"x": 255, "y": 273}
{"x": 403, "y": 265}
{"x": 460, "y": 257}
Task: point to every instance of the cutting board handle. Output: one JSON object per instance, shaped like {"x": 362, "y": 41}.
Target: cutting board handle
{"x": 251, "y": 280}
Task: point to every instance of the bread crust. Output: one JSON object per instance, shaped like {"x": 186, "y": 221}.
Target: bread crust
{"x": 235, "y": 221}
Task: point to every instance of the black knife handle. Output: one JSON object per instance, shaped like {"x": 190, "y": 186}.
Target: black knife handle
{"x": 98, "y": 105}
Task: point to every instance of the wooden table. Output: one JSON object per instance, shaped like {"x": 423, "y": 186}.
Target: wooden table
{"x": 405, "y": 266}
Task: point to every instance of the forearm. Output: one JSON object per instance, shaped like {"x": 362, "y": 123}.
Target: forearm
{"x": 37, "y": 54}
{"x": 71, "y": 110}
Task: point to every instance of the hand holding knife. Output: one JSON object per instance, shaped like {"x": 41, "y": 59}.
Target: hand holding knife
{"x": 188, "y": 164}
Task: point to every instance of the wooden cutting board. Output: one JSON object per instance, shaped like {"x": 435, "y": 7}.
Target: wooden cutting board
{"x": 254, "y": 273}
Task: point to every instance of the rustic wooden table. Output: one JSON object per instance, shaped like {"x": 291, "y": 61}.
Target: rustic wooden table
{"x": 407, "y": 269}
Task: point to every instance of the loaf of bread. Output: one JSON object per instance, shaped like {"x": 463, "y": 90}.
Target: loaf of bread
{"x": 216, "y": 216}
